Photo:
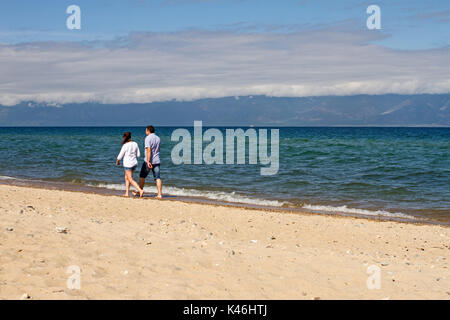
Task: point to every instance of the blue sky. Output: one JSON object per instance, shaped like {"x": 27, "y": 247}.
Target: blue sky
{"x": 409, "y": 24}
{"x": 141, "y": 51}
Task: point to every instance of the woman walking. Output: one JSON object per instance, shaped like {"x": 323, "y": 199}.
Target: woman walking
{"x": 129, "y": 153}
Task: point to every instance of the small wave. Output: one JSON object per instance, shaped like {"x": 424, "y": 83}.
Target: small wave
{"x": 232, "y": 197}
{"x": 212, "y": 195}
{"x": 345, "y": 209}
{"x": 7, "y": 178}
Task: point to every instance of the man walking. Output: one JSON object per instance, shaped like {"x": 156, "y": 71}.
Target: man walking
{"x": 152, "y": 161}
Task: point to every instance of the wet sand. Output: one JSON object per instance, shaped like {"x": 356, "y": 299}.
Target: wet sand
{"x": 151, "y": 249}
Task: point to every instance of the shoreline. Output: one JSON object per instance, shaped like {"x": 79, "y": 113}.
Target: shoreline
{"x": 152, "y": 249}
{"x": 67, "y": 186}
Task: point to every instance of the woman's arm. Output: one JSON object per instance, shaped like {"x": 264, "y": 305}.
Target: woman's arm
{"x": 121, "y": 154}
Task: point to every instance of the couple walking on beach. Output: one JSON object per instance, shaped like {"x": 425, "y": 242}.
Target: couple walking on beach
{"x": 130, "y": 154}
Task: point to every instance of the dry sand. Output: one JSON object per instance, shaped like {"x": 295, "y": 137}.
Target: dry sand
{"x": 150, "y": 249}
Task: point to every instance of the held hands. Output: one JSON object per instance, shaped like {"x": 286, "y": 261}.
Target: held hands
{"x": 149, "y": 164}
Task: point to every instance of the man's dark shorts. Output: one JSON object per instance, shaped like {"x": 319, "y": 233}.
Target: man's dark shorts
{"x": 145, "y": 170}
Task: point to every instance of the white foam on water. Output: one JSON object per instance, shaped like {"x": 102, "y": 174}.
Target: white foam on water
{"x": 345, "y": 209}
{"x": 212, "y": 195}
{"x": 7, "y": 178}
{"x": 236, "y": 198}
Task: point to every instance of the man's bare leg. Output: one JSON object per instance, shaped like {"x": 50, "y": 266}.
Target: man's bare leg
{"x": 141, "y": 183}
{"x": 159, "y": 186}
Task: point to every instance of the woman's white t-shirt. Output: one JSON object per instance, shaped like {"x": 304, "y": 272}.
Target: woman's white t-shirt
{"x": 129, "y": 152}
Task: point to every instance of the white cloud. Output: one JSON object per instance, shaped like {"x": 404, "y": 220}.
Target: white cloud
{"x": 147, "y": 67}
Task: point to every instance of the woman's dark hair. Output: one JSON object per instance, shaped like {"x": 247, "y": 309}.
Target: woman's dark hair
{"x": 126, "y": 137}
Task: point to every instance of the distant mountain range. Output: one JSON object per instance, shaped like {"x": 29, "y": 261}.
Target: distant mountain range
{"x": 359, "y": 110}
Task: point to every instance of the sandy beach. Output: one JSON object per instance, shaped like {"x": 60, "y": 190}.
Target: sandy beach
{"x": 151, "y": 249}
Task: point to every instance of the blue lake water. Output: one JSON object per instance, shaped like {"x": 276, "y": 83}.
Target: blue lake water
{"x": 371, "y": 171}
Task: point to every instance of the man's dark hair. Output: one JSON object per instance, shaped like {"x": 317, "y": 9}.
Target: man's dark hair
{"x": 151, "y": 129}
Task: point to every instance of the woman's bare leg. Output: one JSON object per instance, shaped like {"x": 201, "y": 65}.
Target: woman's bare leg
{"x": 133, "y": 183}
{"x": 127, "y": 185}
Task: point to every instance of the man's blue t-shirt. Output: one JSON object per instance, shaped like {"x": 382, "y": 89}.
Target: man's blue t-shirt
{"x": 153, "y": 142}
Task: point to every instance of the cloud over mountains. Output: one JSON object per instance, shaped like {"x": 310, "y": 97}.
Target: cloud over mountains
{"x": 195, "y": 64}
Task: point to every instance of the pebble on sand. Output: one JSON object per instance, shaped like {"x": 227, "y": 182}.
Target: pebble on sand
{"x": 61, "y": 229}
{"x": 25, "y": 296}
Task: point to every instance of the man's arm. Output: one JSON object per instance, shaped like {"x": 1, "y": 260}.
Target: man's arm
{"x": 149, "y": 157}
